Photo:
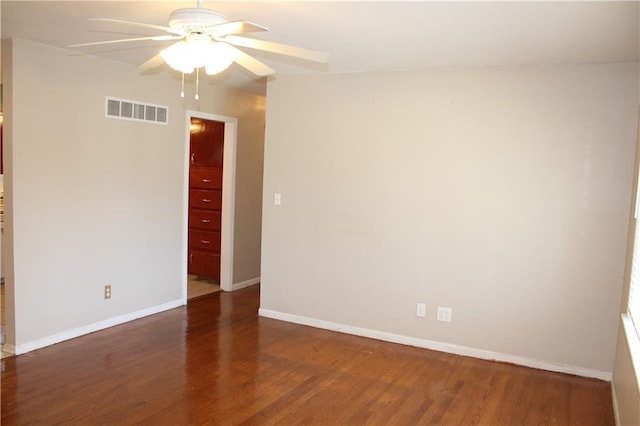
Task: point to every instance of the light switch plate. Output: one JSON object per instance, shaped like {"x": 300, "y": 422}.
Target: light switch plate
{"x": 444, "y": 314}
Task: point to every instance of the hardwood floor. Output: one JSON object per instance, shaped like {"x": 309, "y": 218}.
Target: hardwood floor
{"x": 216, "y": 362}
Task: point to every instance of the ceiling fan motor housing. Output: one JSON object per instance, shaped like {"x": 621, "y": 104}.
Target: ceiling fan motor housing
{"x": 194, "y": 20}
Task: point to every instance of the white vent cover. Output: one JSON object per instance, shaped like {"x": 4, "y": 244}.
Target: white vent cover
{"x": 126, "y": 109}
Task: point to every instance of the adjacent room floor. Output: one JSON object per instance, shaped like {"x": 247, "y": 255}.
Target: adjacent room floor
{"x": 216, "y": 361}
{"x": 197, "y": 287}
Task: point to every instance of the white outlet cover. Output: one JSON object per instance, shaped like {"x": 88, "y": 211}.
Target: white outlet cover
{"x": 421, "y": 310}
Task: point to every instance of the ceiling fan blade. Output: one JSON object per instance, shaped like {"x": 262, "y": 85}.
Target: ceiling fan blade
{"x": 137, "y": 24}
{"x": 283, "y": 49}
{"x": 127, "y": 40}
{"x": 154, "y": 62}
{"x": 237, "y": 27}
{"x": 252, "y": 64}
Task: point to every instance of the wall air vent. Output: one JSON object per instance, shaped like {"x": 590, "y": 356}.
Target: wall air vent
{"x": 136, "y": 111}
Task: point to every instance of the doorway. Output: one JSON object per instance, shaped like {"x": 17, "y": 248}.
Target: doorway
{"x": 211, "y": 244}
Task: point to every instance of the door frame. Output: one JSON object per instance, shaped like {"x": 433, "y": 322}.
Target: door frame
{"x": 228, "y": 198}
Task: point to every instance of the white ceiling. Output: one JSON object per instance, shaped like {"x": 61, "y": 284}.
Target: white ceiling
{"x": 359, "y": 36}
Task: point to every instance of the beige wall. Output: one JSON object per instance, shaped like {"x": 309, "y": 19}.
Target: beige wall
{"x": 501, "y": 193}
{"x": 97, "y": 200}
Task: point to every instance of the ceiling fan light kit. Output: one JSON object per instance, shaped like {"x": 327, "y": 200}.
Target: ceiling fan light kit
{"x": 186, "y": 56}
{"x": 207, "y": 39}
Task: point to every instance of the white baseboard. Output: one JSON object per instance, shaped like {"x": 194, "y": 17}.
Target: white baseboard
{"x": 245, "y": 284}
{"x": 80, "y": 331}
{"x": 436, "y": 346}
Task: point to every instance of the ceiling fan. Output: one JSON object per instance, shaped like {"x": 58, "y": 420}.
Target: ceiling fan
{"x": 205, "y": 38}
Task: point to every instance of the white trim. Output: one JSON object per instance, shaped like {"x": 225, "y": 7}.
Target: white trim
{"x": 228, "y": 202}
{"x": 96, "y": 326}
{"x": 633, "y": 343}
{"x": 185, "y": 208}
{"x": 228, "y": 198}
{"x": 614, "y": 400}
{"x": 437, "y": 346}
{"x": 245, "y": 284}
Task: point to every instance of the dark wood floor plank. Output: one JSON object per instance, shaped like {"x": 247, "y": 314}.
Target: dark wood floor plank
{"x": 216, "y": 362}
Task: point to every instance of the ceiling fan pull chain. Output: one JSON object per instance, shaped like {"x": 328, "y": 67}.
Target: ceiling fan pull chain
{"x": 182, "y": 90}
{"x": 197, "y": 82}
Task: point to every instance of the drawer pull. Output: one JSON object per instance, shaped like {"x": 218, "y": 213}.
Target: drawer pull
{"x": 190, "y": 257}
{"x": 204, "y": 241}
{"x": 205, "y": 221}
{"x": 206, "y": 180}
{"x": 206, "y": 200}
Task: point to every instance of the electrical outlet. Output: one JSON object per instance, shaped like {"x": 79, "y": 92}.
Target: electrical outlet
{"x": 421, "y": 310}
{"x": 107, "y": 291}
{"x": 444, "y": 314}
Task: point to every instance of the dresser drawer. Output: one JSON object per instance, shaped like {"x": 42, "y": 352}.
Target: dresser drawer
{"x": 204, "y": 240}
{"x": 205, "y": 198}
{"x": 210, "y": 178}
{"x": 209, "y": 220}
{"x": 204, "y": 264}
